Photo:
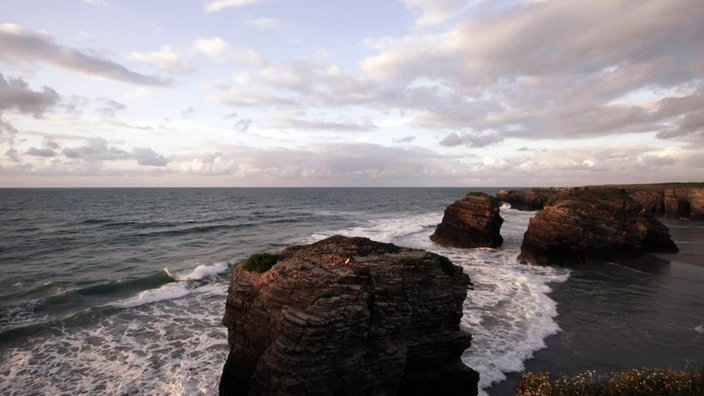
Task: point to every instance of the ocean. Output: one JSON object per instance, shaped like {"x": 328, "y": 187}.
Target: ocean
{"x": 123, "y": 290}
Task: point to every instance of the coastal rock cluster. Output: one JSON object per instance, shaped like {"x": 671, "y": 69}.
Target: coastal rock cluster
{"x": 347, "y": 316}
{"x": 675, "y": 200}
{"x": 471, "y": 222}
{"x": 592, "y": 224}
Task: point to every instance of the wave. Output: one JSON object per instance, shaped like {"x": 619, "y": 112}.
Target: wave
{"x": 180, "y": 288}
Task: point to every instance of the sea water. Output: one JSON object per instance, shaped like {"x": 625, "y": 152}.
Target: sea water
{"x": 123, "y": 290}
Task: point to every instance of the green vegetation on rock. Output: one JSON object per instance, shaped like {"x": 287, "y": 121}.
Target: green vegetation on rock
{"x": 260, "y": 262}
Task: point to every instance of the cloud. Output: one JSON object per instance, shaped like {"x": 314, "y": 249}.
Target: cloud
{"x": 471, "y": 139}
{"x": 43, "y": 152}
{"x": 407, "y": 139}
{"x": 99, "y": 3}
{"x": 219, "y": 50}
{"x": 433, "y": 12}
{"x": 15, "y": 94}
{"x": 263, "y": 23}
{"x": 147, "y": 156}
{"x": 22, "y": 46}
{"x": 217, "y": 5}
{"x": 96, "y": 149}
{"x": 331, "y": 126}
{"x": 12, "y": 154}
{"x": 110, "y": 107}
{"x": 164, "y": 59}
{"x": 243, "y": 124}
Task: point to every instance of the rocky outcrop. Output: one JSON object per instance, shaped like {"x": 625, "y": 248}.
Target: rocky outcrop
{"x": 684, "y": 202}
{"x": 530, "y": 198}
{"x": 347, "y": 316}
{"x": 652, "y": 201}
{"x": 473, "y": 221}
{"x": 592, "y": 224}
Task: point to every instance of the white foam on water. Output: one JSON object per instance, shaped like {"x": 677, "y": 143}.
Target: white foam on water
{"x": 509, "y": 313}
{"x": 174, "y": 347}
{"x": 169, "y": 291}
{"x": 200, "y": 272}
{"x": 699, "y": 329}
{"x": 175, "y": 290}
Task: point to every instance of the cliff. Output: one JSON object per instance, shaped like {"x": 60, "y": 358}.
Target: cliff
{"x": 592, "y": 224}
{"x": 675, "y": 200}
{"x": 347, "y": 316}
{"x": 473, "y": 221}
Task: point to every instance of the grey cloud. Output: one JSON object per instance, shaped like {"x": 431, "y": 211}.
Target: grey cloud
{"x": 96, "y": 149}
{"x": 406, "y": 139}
{"x": 12, "y": 154}
{"x": 50, "y": 143}
{"x": 147, "y": 156}
{"x": 243, "y": 124}
{"x": 189, "y": 112}
{"x": 471, "y": 139}
{"x": 19, "y": 45}
{"x": 16, "y": 94}
{"x": 43, "y": 152}
{"x": 110, "y": 107}
{"x": 318, "y": 125}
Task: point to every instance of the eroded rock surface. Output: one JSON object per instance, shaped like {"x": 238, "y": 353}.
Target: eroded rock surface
{"x": 471, "y": 222}
{"x": 592, "y": 224}
{"x": 530, "y": 198}
{"x": 348, "y": 316}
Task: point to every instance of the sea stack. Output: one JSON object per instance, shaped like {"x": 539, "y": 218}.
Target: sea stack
{"x": 473, "y": 221}
{"x": 347, "y": 316}
{"x": 588, "y": 225}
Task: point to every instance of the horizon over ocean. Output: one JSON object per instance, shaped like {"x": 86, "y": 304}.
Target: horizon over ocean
{"x": 122, "y": 289}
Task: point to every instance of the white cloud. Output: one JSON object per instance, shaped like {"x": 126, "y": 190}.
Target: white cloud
{"x": 99, "y": 3}
{"x": 433, "y": 12}
{"x": 217, "y": 5}
{"x": 165, "y": 59}
{"x": 263, "y": 23}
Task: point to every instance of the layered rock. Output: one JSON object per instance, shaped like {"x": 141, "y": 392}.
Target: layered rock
{"x": 592, "y": 224}
{"x": 676, "y": 200}
{"x": 530, "y": 198}
{"x": 684, "y": 202}
{"x": 473, "y": 221}
{"x": 347, "y": 316}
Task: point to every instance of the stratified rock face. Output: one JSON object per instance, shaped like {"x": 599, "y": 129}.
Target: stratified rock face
{"x": 653, "y": 202}
{"x": 592, "y": 224}
{"x": 530, "y": 198}
{"x": 348, "y": 316}
{"x": 685, "y": 202}
{"x": 471, "y": 222}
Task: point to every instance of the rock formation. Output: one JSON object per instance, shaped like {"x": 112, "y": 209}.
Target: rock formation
{"x": 676, "y": 200}
{"x": 473, "y": 221}
{"x": 530, "y": 198}
{"x": 684, "y": 202}
{"x": 592, "y": 224}
{"x": 347, "y": 316}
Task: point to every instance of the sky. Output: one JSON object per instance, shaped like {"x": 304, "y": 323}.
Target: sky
{"x": 303, "y": 93}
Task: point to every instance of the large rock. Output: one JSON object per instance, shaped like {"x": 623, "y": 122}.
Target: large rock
{"x": 685, "y": 202}
{"x": 473, "y": 221}
{"x": 530, "y": 198}
{"x": 347, "y": 316}
{"x": 590, "y": 225}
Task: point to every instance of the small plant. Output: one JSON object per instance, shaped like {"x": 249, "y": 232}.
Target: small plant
{"x": 260, "y": 262}
{"x": 361, "y": 271}
{"x": 631, "y": 382}
{"x": 411, "y": 261}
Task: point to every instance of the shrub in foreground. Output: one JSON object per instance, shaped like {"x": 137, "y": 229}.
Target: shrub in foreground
{"x": 260, "y": 262}
{"x": 632, "y": 382}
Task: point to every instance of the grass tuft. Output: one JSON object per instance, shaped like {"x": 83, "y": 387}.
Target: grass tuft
{"x": 260, "y": 262}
